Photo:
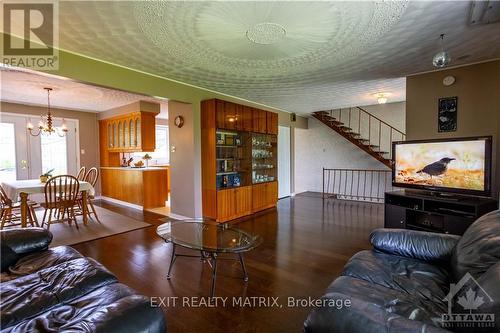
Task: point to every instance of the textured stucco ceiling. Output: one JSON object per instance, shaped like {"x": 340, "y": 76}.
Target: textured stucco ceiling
{"x": 308, "y": 56}
{"x": 26, "y": 87}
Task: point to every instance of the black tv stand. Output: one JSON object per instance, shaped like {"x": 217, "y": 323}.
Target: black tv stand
{"x": 443, "y": 195}
{"x": 428, "y": 211}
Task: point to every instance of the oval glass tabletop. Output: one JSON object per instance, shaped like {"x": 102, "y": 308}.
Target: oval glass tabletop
{"x": 208, "y": 237}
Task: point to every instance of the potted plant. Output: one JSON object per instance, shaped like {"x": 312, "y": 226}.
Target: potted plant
{"x": 45, "y": 176}
{"x": 147, "y": 157}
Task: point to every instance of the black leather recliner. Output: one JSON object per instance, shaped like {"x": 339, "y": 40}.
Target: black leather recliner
{"x": 59, "y": 290}
{"x": 403, "y": 283}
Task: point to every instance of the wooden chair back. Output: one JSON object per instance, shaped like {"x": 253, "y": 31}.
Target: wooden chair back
{"x": 92, "y": 175}
{"x": 61, "y": 191}
{"x": 4, "y": 199}
{"x": 81, "y": 173}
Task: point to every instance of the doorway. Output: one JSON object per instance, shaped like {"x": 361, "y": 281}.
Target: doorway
{"x": 284, "y": 166}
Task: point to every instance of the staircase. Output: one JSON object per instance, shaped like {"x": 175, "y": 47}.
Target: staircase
{"x": 368, "y": 132}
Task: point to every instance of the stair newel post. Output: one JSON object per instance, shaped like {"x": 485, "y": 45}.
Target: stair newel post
{"x": 369, "y": 130}
{"x": 379, "y": 135}
{"x": 390, "y": 144}
{"x": 359, "y": 121}
{"x": 340, "y": 114}
{"x": 323, "y": 183}
{"x": 349, "y": 117}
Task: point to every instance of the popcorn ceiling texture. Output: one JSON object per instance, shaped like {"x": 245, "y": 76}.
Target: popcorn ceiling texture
{"x": 333, "y": 54}
{"x": 23, "y": 87}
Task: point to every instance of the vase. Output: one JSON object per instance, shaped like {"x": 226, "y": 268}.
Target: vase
{"x": 44, "y": 179}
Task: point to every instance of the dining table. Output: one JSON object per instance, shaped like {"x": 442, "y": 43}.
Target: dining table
{"x": 21, "y": 189}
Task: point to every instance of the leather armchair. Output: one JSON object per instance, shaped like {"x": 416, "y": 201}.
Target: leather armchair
{"x": 403, "y": 283}
{"x": 57, "y": 289}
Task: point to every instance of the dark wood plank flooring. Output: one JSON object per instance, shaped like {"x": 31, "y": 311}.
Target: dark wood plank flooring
{"x": 306, "y": 244}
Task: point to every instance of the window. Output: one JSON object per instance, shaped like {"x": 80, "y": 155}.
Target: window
{"x": 161, "y": 154}
{"x": 8, "y": 149}
{"x": 54, "y": 154}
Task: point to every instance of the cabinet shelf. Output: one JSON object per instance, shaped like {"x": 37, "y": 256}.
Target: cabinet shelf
{"x": 227, "y": 146}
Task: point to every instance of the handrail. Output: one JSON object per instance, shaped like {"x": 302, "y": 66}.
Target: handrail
{"x": 371, "y": 115}
{"x": 372, "y": 134}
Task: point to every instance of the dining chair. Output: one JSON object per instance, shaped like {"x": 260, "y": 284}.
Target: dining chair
{"x": 10, "y": 212}
{"x": 91, "y": 178}
{"x": 61, "y": 193}
{"x": 81, "y": 174}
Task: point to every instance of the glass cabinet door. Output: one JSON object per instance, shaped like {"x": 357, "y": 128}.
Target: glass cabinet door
{"x": 132, "y": 133}
{"x": 115, "y": 136}
{"x": 126, "y": 136}
{"x": 110, "y": 136}
{"x": 120, "y": 134}
{"x": 138, "y": 132}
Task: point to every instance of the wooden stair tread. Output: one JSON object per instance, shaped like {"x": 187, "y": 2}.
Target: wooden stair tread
{"x": 354, "y": 137}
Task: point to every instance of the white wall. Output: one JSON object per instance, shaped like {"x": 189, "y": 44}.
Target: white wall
{"x": 185, "y": 166}
{"x": 319, "y": 146}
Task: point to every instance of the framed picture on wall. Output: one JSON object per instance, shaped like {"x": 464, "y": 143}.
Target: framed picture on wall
{"x": 447, "y": 114}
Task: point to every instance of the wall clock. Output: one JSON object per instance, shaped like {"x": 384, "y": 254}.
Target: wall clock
{"x": 179, "y": 121}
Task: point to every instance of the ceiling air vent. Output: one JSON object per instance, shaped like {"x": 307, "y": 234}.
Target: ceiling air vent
{"x": 484, "y": 12}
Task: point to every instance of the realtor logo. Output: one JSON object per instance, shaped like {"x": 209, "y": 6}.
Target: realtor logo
{"x": 30, "y": 34}
{"x": 464, "y": 305}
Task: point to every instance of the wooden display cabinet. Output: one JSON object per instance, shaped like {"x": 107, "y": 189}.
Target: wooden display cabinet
{"x": 235, "y": 184}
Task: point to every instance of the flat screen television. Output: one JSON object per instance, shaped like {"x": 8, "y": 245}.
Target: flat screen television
{"x": 461, "y": 165}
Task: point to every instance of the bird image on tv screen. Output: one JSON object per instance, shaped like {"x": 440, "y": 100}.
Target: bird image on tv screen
{"x": 452, "y": 164}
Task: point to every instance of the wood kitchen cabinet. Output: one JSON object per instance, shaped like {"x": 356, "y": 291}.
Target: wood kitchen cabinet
{"x": 134, "y": 132}
{"x": 146, "y": 187}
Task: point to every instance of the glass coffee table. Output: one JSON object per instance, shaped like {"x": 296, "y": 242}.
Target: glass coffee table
{"x": 210, "y": 240}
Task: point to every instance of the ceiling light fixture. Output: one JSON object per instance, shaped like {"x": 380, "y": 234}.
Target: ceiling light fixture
{"x": 381, "y": 97}
{"x": 266, "y": 33}
{"x": 45, "y": 127}
{"x": 442, "y": 58}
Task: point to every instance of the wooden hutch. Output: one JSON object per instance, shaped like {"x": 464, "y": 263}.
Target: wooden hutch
{"x": 239, "y": 159}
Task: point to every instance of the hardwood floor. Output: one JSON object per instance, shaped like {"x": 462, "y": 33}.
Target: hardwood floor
{"x": 306, "y": 244}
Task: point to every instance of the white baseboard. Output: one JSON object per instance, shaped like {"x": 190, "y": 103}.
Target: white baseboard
{"x": 121, "y": 203}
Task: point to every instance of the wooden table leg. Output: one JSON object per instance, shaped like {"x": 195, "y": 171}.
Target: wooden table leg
{"x": 84, "y": 207}
{"x": 24, "y": 209}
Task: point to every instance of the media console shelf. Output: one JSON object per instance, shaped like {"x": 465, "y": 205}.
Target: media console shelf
{"x": 425, "y": 211}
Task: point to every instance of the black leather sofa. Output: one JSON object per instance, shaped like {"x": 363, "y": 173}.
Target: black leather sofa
{"x": 401, "y": 285}
{"x": 58, "y": 290}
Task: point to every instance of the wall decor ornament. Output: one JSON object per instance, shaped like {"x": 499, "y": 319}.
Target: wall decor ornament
{"x": 447, "y": 114}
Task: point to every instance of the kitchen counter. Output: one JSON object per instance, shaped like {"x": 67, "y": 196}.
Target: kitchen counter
{"x": 151, "y": 168}
{"x": 146, "y": 187}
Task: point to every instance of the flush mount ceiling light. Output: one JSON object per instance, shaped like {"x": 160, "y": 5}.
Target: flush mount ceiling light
{"x": 441, "y": 58}
{"x": 381, "y": 97}
{"x": 266, "y": 33}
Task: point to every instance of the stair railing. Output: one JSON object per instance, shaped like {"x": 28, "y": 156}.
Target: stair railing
{"x": 356, "y": 184}
{"x": 377, "y": 134}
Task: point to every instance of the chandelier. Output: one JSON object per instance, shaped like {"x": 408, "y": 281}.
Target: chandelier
{"x": 45, "y": 127}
